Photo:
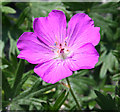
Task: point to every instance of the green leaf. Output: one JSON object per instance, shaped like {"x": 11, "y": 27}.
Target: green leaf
{"x": 6, "y": 86}
{"x": 117, "y": 99}
{"x": 13, "y": 48}
{"x": 28, "y": 94}
{"x": 30, "y": 101}
{"x": 9, "y": 67}
{"x": 101, "y": 58}
{"x": 37, "y": 85}
{"x": 31, "y": 107}
{"x": 23, "y": 80}
{"x": 73, "y": 108}
{"x": 18, "y": 76}
{"x": 116, "y": 77}
{"x": 15, "y": 107}
{"x": 117, "y": 89}
{"x": 4, "y": 3}
{"x": 1, "y": 49}
{"x": 22, "y": 6}
{"x": 37, "y": 100}
{"x": 117, "y": 34}
{"x": 77, "y": 6}
{"x": 110, "y": 7}
{"x": 13, "y": 59}
{"x": 105, "y": 102}
{"x": 105, "y": 24}
{"x": 81, "y": 73}
{"x": 81, "y": 83}
{"x": 116, "y": 53}
{"x": 88, "y": 81}
{"x": 60, "y": 100}
{"x": 92, "y": 104}
{"x": 41, "y": 91}
{"x": 46, "y": 106}
{"x": 8, "y": 10}
{"x": 30, "y": 82}
{"x": 38, "y": 9}
{"x": 108, "y": 88}
{"x": 22, "y": 16}
{"x": 110, "y": 63}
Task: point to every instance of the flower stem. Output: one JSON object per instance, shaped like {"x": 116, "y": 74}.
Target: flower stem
{"x": 72, "y": 93}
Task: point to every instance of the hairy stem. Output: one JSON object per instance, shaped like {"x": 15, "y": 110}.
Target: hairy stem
{"x": 72, "y": 93}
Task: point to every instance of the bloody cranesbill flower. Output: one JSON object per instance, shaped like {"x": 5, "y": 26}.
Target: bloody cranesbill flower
{"x": 59, "y": 50}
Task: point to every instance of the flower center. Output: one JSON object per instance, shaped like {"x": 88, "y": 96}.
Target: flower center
{"x": 62, "y": 51}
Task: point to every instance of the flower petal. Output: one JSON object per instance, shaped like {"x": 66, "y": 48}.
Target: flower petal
{"x": 53, "y": 71}
{"x": 52, "y": 28}
{"x": 32, "y": 49}
{"x": 84, "y": 58}
{"x": 81, "y": 30}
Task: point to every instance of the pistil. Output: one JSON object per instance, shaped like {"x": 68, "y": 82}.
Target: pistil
{"x": 61, "y": 50}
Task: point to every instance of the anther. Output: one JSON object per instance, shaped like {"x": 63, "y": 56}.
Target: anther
{"x": 60, "y": 44}
{"x": 57, "y": 51}
{"x": 65, "y": 43}
{"x": 54, "y": 44}
{"x": 62, "y": 50}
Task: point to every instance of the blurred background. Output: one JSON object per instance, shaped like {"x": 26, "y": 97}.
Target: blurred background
{"x": 95, "y": 89}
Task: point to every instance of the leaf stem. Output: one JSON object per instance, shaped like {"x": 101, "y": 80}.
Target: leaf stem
{"x": 72, "y": 93}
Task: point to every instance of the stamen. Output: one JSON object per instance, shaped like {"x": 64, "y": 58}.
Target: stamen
{"x": 55, "y": 44}
{"x": 65, "y": 43}
{"x": 60, "y": 45}
{"x": 62, "y": 50}
{"x": 57, "y": 51}
{"x": 66, "y": 38}
{"x": 52, "y": 46}
{"x": 56, "y": 39}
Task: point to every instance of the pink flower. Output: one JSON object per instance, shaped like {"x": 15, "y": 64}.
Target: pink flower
{"x": 59, "y": 51}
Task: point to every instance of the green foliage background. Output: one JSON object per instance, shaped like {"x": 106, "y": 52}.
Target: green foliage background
{"x": 96, "y": 89}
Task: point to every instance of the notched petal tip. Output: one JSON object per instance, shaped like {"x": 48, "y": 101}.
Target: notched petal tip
{"x": 84, "y": 58}
{"x": 97, "y": 39}
{"x": 81, "y": 30}
{"x": 55, "y": 10}
{"x": 50, "y": 27}
{"x": 34, "y": 23}
{"x": 26, "y": 36}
